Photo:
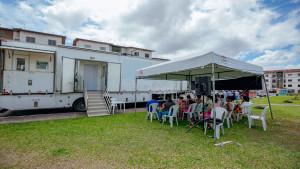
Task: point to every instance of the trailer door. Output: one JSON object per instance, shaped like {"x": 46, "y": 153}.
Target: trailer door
{"x": 68, "y": 71}
{"x": 113, "y": 77}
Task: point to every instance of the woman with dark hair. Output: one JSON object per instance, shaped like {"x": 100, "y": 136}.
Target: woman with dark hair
{"x": 207, "y": 113}
{"x": 165, "y": 108}
{"x": 245, "y": 103}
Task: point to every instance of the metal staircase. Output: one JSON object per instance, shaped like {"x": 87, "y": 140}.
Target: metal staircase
{"x": 95, "y": 103}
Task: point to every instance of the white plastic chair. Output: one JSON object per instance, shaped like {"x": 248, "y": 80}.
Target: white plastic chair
{"x": 229, "y": 118}
{"x": 152, "y": 110}
{"x": 262, "y": 117}
{"x": 220, "y": 114}
{"x": 114, "y": 105}
{"x": 190, "y": 112}
{"x": 246, "y": 111}
{"x": 173, "y": 110}
{"x": 198, "y": 111}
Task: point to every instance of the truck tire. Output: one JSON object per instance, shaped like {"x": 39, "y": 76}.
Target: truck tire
{"x": 79, "y": 105}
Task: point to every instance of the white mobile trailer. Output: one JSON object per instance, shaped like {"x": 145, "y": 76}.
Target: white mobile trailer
{"x": 37, "y": 76}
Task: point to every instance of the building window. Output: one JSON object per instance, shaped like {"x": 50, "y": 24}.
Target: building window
{"x": 102, "y": 48}
{"x": 284, "y": 81}
{"x": 147, "y": 55}
{"x": 266, "y": 75}
{"x": 136, "y": 54}
{"x": 273, "y": 81}
{"x": 290, "y": 80}
{"x": 51, "y": 42}
{"x": 21, "y": 64}
{"x": 115, "y": 49}
{"x": 283, "y": 85}
{"x": 267, "y": 80}
{"x": 298, "y": 80}
{"x": 298, "y": 74}
{"x": 41, "y": 65}
{"x": 273, "y": 75}
{"x": 30, "y": 39}
{"x": 267, "y": 85}
{"x": 88, "y": 46}
{"x": 290, "y": 85}
{"x": 17, "y": 39}
{"x": 289, "y": 74}
{"x": 298, "y": 85}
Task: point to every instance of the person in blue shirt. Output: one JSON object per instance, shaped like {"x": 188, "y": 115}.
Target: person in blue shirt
{"x": 150, "y": 102}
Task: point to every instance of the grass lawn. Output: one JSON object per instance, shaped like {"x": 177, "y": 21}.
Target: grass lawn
{"x": 278, "y": 100}
{"x": 128, "y": 141}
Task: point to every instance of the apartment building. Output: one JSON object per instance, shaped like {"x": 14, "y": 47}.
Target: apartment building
{"x": 22, "y": 35}
{"x": 283, "y": 79}
{"x": 104, "y": 46}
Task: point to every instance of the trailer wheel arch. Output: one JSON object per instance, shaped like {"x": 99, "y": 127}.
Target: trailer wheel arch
{"x": 79, "y": 105}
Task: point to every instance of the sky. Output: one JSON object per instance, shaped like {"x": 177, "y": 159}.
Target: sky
{"x": 261, "y": 32}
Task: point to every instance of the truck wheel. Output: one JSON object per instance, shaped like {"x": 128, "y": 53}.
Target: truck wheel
{"x": 79, "y": 105}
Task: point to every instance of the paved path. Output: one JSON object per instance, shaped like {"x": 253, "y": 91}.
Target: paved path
{"x": 278, "y": 104}
{"x": 55, "y": 116}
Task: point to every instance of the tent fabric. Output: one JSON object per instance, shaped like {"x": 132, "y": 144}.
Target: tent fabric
{"x": 195, "y": 65}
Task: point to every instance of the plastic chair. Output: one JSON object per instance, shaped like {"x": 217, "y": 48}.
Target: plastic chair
{"x": 190, "y": 111}
{"x": 229, "y": 118}
{"x": 198, "y": 111}
{"x": 113, "y": 105}
{"x": 246, "y": 111}
{"x": 262, "y": 117}
{"x": 152, "y": 110}
{"x": 173, "y": 110}
{"x": 220, "y": 116}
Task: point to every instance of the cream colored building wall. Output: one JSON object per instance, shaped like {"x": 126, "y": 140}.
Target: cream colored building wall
{"x": 295, "y": 82}
{"x": 16, "y": 35}
{"x": 33, "y": 57}
{"x": 141, "y": 52}
{"x": 43, "y": 57}
{"x": 94, "y": 45}
{"x": 39, "y": 38}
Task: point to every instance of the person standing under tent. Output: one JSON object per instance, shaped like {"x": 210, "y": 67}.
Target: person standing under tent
{"x": 165, "y": 109}
{"x": 236, "y": 95}
{"x": 224, "y": 94}
{"x": 149, "y": 103}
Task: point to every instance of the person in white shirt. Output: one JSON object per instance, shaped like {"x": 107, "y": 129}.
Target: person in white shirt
{"x": 246, "y": 103}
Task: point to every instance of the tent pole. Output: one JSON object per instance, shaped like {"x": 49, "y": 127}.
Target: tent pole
{"x": 135, "y": 96}
{"x": 214, "y": 98}
{"x": 190, "y": 84}
{"x": 268, "y": 96}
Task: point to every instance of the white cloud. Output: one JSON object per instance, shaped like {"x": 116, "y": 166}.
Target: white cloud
{"x": 278, "y": 59}
{"x": 173, "y": 28}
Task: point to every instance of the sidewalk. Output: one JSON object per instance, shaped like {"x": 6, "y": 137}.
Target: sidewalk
{"x": 278, "y": 104}
{"x": 55, "y": 116}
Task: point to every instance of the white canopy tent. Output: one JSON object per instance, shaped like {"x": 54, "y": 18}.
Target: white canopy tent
{"x": 197, "y": 65}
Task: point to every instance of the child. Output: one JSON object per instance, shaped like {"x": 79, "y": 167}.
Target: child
{"x": 183, "y": 107}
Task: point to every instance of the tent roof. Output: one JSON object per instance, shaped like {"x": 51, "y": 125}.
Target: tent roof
{"x": 196, "y": 65}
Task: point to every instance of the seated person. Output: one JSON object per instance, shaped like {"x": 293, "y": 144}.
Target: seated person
{"x": 207, "y": 113}
{"x": 229, "y": 104}
{"x": 197, "y": 109}
{"x": 165, "y": 109}
{"x": 183, "y": 108}
{"x": 221, "y": 101}
{"x": 148, "y": 105}
{"x": 208, "y": 101}
{"x": 180, "y": 101}
{"x": 190, "y": 100}
{"x": 245, "y": 103}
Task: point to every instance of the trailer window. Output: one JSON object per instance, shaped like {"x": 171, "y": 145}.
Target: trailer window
{"x": 41, "y": 65}
{"x": 21, "y": 64}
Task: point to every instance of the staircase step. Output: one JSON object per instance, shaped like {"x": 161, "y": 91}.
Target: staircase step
{"x": 92, "y": 113}
{"x": 96, "y": 103}
{"x": 97, "y": 107}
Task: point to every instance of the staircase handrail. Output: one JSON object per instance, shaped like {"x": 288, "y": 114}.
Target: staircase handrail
{"x": 107, "y": 99}
{"x": 85, "y": 95}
